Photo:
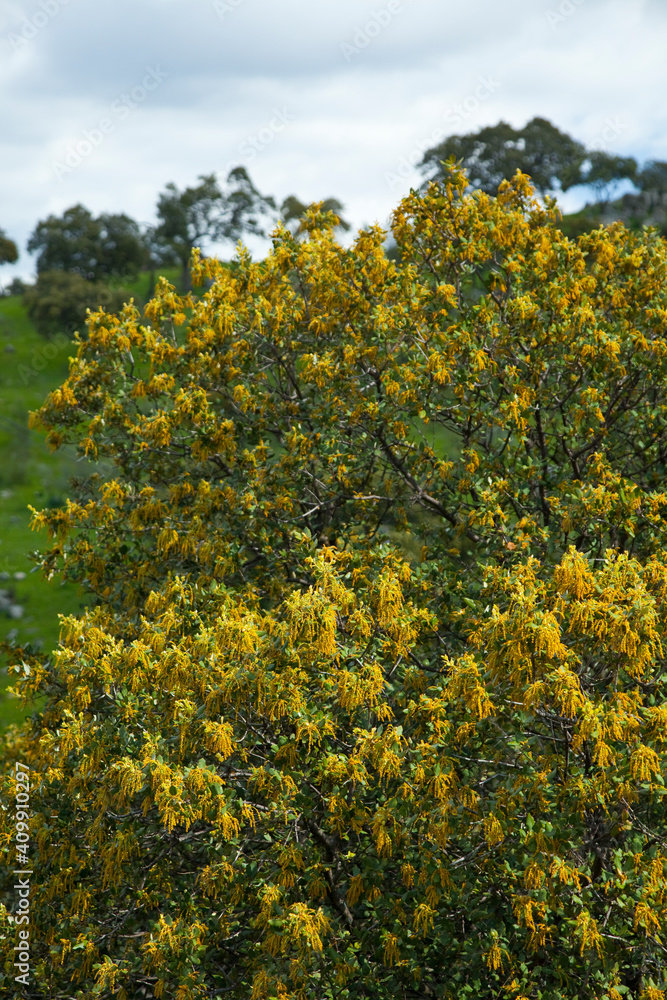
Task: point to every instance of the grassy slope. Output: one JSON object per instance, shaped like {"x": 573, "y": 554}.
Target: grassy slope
{"x": 30, "y": 367}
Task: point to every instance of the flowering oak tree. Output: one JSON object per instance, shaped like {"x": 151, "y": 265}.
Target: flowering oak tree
{"x": 369, "y": 701}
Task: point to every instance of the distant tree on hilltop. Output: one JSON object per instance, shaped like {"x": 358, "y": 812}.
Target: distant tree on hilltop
{"x": 110, "y": 245}
{"x": 8, "y": 249}
{"x": 294, "y": 213}
{"x": 603, "y": 171}
{"x": 552, "y": 158}
{"x": 207, "y": 214}
{"x": 653, "y": 177}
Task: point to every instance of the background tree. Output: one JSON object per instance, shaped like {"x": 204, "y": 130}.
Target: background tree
{"x": 604, "y": 171}
{"x": 206, "y": 214}
{"x": 495, "y": 152}
{"x": 8, "y": 250}
{"x": 653, "y": 177}
{"x": 123, "y": 251}
{"x": 94, "y": 248}
{"x": 369, "y": 699}
{"x": 294, "y": 213}
{"x": 16, "y": 287}
{"x": 67, "y": 243}
{"x": 59, "y": 300}
{"x": 246, "y": 210}
{"x": 554, "y": 160}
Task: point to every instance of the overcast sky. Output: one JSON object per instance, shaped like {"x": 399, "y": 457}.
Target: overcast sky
{"x": 315, "y": 97}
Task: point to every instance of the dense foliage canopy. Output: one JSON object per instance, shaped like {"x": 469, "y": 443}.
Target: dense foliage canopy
{"x": 207, "y": 213}
{"x": 94, "y": 248}
{"x": 8, "y": 250}
{"x": 554, "y": 160}
{"x": 605, "y": 170}
{"x": 494, "y": 153}
{"x": 653, "y": 176}
{"x": 370, "y": 702}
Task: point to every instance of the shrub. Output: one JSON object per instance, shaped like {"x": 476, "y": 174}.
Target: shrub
{"x": 371, "y": 700}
